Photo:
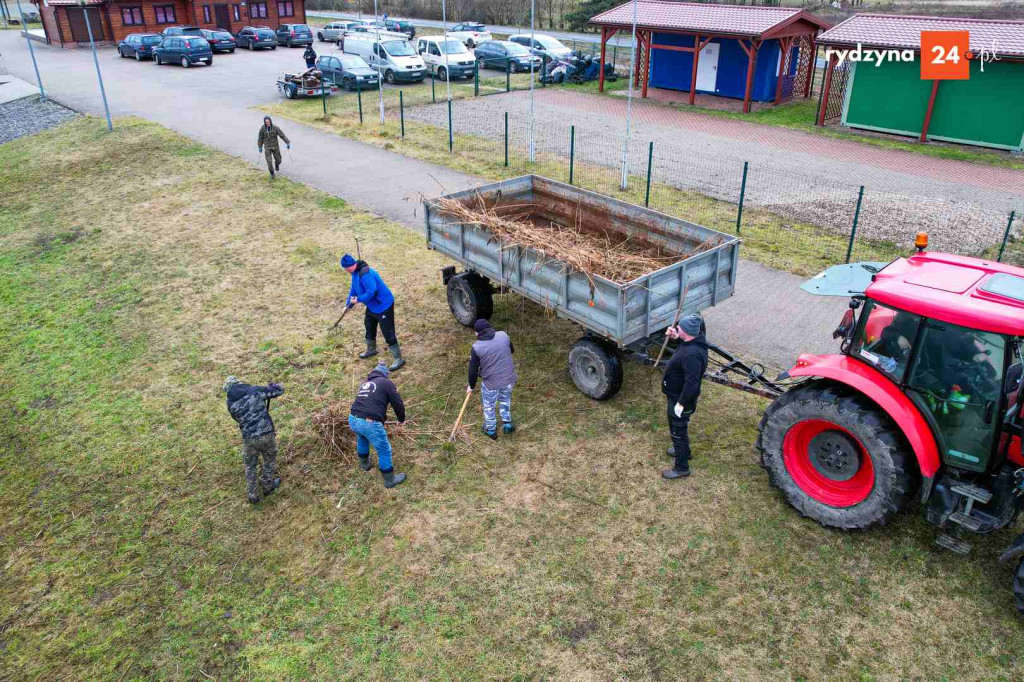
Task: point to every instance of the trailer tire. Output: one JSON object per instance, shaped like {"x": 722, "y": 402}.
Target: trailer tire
{"x": 469, "y": 298}
{"x": 595, "y": 368}
{"x": 836, "y": 456}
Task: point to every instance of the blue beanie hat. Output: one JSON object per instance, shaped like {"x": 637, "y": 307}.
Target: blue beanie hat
{"x": 481, "y": 325}
{"x": 690, "y": 324}
{"x": 382, "y": 367}
{"x": 347, "y": 261}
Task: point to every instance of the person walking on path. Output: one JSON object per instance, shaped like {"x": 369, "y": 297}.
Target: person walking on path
{"x": 681, "y": 386}
{"x": 369, "y": 289}
{"x": 250, "y": 407}
{"x": 310, "y": 56}
{"x": 490, "y": 359}
{"x": 366, "y": 419}
{"x": 268, "y": 140}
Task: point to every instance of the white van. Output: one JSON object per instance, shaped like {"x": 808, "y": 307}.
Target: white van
{"x": 444, "y": 57}
{"x": 395, "y": 58}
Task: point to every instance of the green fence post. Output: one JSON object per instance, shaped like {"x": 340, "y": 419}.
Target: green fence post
{"x": 543, "y": 70}
{"x": 743, "y": 193}
{"x": 359, "y": 96}
{"x": 506, "y": 139}
{"x": 572, "y": 150}
{"x": 401, "y": 112}
{"x": 476, "y": 80}
{"x": 433, "y": 90}
{"x": 650, "y": 163}
{"x": 451, "y": 139}
{"x": 1006, "y": 235}
{"x": 508, "y": 79}
{"x": 323, "y": 94}
{"x": 856, "y": 217}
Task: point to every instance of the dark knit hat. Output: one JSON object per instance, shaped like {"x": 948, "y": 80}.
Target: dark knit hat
{"x": 347, "y": 261}
{"x": 481, "y": 325}
{"x": 690, "y": 324}
{"x": 382, "y": 367}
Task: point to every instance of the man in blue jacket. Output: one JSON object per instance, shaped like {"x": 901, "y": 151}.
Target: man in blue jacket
{"x": 369, "y": 289}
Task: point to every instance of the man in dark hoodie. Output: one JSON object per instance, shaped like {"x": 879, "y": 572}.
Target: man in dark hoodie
{"x": 681, "y": 385}
{"x": 269, "y": 134}
{"x": 366, "y": 418}
{"x": 310, "y": 56}
{"x": 369, "y": 289}
{"x": 490, "y": 359}
{"x": 250, "y": 407}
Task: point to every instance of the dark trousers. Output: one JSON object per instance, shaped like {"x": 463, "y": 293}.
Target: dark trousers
{"x": 679, "y": 429}
{"x": 386, "y": 320}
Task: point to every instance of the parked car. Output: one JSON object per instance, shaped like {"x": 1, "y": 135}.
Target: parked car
{"x": 446, "y": 56}
{"x": 470, "y": 33}
{"x": 256, "y": 38}
{"x": 333, "y": 31}
{"x": 396, "y": 58}
{"x": 184, "y": 50}
{"x": 182, "y": 31}
{"x": 399, "y": 26}
{"x": 348, "y": 71}
{"x": 220, "y": 41}
{"x": 543, "y": 45}
{"x": 294, "y": 35}
{"x": 505, "y": 55}
{"x": 139, "y": 45}
{"x": 370, "y": 30}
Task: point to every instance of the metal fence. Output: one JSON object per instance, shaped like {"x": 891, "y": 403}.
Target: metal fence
{"x": 797, "y": 222}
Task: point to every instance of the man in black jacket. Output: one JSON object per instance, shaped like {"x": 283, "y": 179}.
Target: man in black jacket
{"x": 250, "y": 407}
{"x": 681, "y": 385}
{"x": 366, "y": 418}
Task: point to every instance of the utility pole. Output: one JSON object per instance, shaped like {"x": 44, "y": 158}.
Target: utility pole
{"x": 96, "y": 61}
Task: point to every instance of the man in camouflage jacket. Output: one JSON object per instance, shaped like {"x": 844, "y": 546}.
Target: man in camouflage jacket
{"x": 268, "y": 144}
{"x": 250, "y": 407}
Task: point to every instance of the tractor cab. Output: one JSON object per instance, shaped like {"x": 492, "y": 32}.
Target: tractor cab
{"x": 924, "y": 396}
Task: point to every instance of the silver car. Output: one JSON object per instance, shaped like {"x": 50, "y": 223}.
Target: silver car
{"x": 332, "y": 31}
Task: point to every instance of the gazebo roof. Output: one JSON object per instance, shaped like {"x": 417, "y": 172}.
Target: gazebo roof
{"x": 685, "y": 17}
{"x": 1004, "y": 37}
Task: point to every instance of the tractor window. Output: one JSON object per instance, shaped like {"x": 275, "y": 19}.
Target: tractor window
{"x": 885, "y": 338}
{"x": 958, "y": 377}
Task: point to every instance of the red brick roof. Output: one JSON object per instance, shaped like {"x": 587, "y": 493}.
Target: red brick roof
{"x": 904, "y": 32}
{"x": 693, "y": 17}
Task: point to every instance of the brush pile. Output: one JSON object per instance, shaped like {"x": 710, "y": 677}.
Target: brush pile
{"x": 331, "y": 427}
{"x": 619, "y": 260}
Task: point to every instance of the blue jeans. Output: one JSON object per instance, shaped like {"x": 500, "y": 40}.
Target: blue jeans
{"x": 500, "y": 397}
{"x": 371, "y": 433}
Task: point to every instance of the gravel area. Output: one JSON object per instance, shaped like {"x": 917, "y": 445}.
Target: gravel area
{"x": 802, "y": 184}
{"x": 30, "y": 115}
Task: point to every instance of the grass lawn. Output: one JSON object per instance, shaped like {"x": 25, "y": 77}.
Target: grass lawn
{"x": 133, "y": 279}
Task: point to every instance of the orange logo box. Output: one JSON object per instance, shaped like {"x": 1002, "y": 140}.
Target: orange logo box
{"x": 945, "y": 54}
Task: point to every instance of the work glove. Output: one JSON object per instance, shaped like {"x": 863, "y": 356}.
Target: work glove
{"x": 678, "y": 410}
{"x": 288, "y": 145}
{"x": 352, "y": 301}
{"x": 274, "y": 385}
{"x": 469, "y": 389}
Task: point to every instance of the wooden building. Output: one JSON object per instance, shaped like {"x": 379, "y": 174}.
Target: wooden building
{"x": 111, "y": 20}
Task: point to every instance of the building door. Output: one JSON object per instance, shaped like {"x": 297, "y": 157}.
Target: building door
{"x": 222, "y": 17}
{"x": 79, "y": 31}
{"x": 707, "y": 68}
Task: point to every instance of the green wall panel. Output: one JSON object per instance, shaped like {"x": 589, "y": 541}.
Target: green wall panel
{"x": 987, "y": 108}
{"x": 890, "y": 96}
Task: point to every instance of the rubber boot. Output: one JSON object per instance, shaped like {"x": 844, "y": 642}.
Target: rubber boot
{"x": 396, "y": 352}
{"x": 274, "y": 485}
{"x": 364, "y": 462}
{"x": 674, "y": 473}
{"x": 271, "y": 173}
{"x": 391, "y": 479}
{"x": 508, "y": 428}
{"x": 253, "y": 499}
{"x": 493, "y": 435}
{"x": 371, "y": 349}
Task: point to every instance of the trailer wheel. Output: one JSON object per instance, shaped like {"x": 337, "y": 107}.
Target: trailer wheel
{"x": 595, "y": 368}
{"x": 837, "y": 457}
{"x": 469, "y": 297}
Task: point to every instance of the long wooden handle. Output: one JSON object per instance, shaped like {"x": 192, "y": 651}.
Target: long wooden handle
{"x": 343, "y": 314}
{"x": 459, "y": 419}
{"x": 679, "y": 309}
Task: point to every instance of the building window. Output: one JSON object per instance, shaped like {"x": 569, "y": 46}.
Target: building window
{"x": 285, "y": 9}
{"x": 206, "y": 13}
{"x": 164, "y": 14}
{"x": 257, "y": 10}
{"x": 236, "y": 12}
{"x": 132, "y": 16}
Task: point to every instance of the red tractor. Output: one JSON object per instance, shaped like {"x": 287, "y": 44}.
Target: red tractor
{"x": 923, "y": 398}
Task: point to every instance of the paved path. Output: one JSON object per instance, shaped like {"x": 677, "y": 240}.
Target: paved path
{"x": 769, "y": 319}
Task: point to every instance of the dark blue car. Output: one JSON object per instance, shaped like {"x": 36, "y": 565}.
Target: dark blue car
{"x": 139, "y": 45}
{"x": 256, "y": 38}
{"x": 184, "y": 50}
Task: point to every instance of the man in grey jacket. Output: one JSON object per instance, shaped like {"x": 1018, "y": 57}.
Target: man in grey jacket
{"x": 491, "y": 361}
{"x": 250, "y": 406}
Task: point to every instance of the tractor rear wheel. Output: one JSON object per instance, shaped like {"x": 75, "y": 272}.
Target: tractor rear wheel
{"x": 837, "y": 457}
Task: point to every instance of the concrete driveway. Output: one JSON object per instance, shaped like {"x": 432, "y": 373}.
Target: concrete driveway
{"x": 769, "y": 319}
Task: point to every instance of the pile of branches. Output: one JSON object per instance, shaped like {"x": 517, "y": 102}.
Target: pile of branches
{"x": 331, "y": 426}
{"x": 621, "y": 261}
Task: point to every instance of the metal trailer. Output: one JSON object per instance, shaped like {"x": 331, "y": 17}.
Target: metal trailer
{"x": 619, "y": 319}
